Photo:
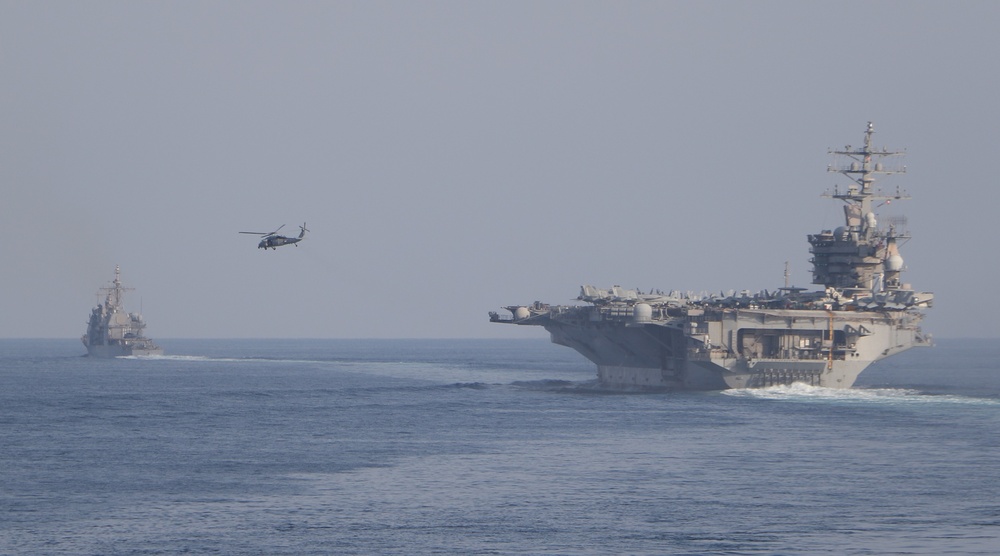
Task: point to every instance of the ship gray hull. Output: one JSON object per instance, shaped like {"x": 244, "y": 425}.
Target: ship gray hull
{"x": 700, "y": 376}
{"x": 109, "y": 351}
{"x": 731, "y": 348}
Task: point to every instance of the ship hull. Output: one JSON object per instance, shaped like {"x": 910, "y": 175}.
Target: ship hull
{"x": 732, "y": 349}
{"x": 701, "y": 376}
{"x": 110, "y": 351}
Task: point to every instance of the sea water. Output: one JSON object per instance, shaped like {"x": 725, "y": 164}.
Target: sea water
{"x": 484, "y": 447}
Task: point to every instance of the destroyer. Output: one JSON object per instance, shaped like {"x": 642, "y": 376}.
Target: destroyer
{"x": 863, "y": 312}
{"x": 112, "y": 332}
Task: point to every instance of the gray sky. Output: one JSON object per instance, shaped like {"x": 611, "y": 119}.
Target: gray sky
{"x": 451, "y": 158}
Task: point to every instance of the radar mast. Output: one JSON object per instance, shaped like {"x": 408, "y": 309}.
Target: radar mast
{"x": 859, "y": 256}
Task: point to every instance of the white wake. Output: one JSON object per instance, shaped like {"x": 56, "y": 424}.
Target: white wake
{"x": 804, "y": 392}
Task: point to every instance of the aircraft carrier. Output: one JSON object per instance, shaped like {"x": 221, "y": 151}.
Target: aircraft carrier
{"x": 112, "y": 332}
{"x": 861, "y": 312}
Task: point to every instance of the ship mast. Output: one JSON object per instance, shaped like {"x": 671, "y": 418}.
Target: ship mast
{"x": 115, "y": 293}
{"x": 862, "y": 171}
{"x": 858, "y": 256}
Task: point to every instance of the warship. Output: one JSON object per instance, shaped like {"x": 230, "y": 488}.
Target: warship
{"x": 111, "y": 332}
{"x": 861, "y": 312}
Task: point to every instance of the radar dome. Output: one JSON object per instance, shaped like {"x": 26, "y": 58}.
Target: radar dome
{"x": 642, "y": 312}
{"x": 840, "y": 233}
{"x": 521, "y": 313}
{"x": 894, "y": 263}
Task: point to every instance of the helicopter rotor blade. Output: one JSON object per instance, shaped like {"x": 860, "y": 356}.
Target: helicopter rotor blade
{"x": 265, "y": 234}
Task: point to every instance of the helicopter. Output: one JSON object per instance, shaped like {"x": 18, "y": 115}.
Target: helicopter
{"x": 274, "y": 241}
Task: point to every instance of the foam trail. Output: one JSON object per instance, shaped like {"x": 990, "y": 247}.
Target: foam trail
{"x": 205, "y": 359}
{"x": 804, "y": 392}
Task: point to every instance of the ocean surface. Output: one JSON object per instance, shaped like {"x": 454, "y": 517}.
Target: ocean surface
{"x": 484, "y": 447}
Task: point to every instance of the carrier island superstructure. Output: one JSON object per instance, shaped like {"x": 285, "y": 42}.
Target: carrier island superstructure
{"x": 861, "y": 312}
{"x": 112, "y": 332}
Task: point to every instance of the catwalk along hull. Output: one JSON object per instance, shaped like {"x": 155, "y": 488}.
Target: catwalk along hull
{"x": 862, "y": 312}
{"x": 113, "y": 332}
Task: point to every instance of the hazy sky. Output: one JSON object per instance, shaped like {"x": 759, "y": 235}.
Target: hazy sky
{"x": 451, "y": 158}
